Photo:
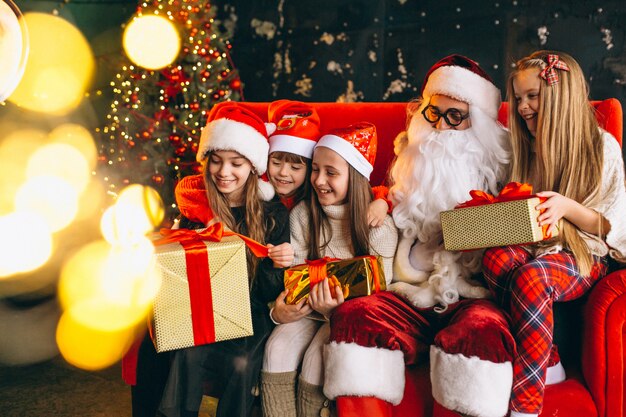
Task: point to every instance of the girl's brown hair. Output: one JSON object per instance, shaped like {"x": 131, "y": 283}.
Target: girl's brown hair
{"x": 253, "y": 224}
{"x": 568, "y": 144}
{"x": 304, "y": 191}
{"x": 359, "y": 197}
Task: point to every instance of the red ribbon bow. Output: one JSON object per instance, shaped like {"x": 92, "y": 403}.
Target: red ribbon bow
{"x": 548, "y": 73}
{"x": 511, "y": 192}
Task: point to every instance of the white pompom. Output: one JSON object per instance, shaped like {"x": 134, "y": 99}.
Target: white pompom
{"x": 266, "y": 190}
{"x": 270, "y": 128}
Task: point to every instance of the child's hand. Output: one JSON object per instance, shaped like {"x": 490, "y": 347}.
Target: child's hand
{"x": 322, "y": 301}
{"x": 282, "y": 255}
{"x": 377, "y": 212}
{"x": 556, "y": 207}
{"x": 287, "y": 313}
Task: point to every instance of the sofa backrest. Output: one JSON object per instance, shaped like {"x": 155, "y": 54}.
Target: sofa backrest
{"x": 390, "y": 119}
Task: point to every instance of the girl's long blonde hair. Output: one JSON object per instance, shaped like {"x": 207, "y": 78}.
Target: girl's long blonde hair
{"x": 359, "y": 197}
{"x": 567, "y": 144}
{"x": 253, "y": 224}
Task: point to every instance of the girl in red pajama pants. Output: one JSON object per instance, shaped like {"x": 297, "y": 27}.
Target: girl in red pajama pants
{"x": 560, "y": 150}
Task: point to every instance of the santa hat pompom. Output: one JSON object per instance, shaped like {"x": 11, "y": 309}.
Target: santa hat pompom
{"x": 266, "y": 190}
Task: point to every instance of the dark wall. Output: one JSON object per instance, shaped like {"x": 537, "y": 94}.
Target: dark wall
{"x": 372, "y": 50}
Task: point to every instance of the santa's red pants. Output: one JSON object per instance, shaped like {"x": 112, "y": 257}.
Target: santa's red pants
{"x": 470, "y": 345}
{"x": 527, "y": 287}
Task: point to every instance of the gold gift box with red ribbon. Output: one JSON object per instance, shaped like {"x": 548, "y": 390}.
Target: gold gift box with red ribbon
{"x": 486, "y": 221}
{"x": 204, "y": 295}
{"x": 359, "y": 276}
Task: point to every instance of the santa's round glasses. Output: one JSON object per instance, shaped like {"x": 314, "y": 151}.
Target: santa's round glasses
{"x": 452, "y": 116}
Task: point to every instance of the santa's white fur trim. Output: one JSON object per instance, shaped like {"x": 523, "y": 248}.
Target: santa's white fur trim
{"x": 266, "y": 190}
{"x": 355, "y": 370}
{"x": 464, "y": 85}
{"x": 292, "y": 144}
{"x": 470, "y": 385}
{"x": 347, "y": 152}
{"x": 231, "y": 135}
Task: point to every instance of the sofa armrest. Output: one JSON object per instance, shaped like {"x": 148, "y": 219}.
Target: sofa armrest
{"x": 603, "y": 348}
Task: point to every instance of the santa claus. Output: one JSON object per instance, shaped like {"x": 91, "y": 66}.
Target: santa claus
{"x": 453, "y": 144}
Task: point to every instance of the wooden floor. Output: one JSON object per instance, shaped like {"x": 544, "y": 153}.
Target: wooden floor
{"x": 57, "y": 389}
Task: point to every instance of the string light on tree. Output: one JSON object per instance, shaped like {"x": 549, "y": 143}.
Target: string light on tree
{"x": 153, "y": 125}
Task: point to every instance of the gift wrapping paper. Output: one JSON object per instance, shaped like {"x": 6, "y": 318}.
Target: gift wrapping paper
{"x": 490, "y": 225}
{"x": 363, "y": 275}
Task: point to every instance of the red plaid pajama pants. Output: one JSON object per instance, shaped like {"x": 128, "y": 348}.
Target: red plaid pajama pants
{"x": 527, "y": 287}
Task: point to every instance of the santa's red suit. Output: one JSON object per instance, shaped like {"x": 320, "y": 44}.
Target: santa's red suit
{"x": 434, "y": 310}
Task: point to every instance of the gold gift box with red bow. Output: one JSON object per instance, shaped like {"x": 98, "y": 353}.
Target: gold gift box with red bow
{"x": 359, "y": 276}
{"x": 487, "y": 221}
{"x": 204, "y": 295}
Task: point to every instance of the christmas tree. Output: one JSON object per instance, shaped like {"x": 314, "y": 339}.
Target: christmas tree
{"x": 153, "y": 127}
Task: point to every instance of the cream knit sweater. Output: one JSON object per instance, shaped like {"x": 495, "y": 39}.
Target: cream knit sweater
{"x": 383, "y": 239}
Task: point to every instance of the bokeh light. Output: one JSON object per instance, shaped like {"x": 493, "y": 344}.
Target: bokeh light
{"x": 52, "y": 198}
{"x": 62, "y": 161}
{"x": 15, "y": 151}
{"x": 78, "y": 137}
{"x": 109, "y": 288}
{"x": 26, "y": 243}
{"x": 137, "y": 211}
{"x": 145, "y": 197}
{"x": 151, "y": 41}
{"x": 89, "y": 348}
{"x": 13, "y": 47}
{"x": 59, "y": 68}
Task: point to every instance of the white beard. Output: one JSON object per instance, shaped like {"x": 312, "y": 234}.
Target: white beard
{"x": 433, "y": 173}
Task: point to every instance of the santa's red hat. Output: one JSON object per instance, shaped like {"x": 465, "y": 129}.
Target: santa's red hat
{"x": 462, "y": 79}
{"x": 232, "y": 127}
{"x": 297, "y": 127}
{"x": 356, "y": 143}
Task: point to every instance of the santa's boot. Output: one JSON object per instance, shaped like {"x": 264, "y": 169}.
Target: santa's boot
{"x": 362, "y": 407}
{"x": 278, "y": 394}
{"x": 311, "y": 400}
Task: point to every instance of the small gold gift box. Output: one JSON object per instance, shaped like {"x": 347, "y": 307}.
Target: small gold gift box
{"x": 490, "y": 225}
{"x": 188, "y": 310}
{"x": 363, "y": 275}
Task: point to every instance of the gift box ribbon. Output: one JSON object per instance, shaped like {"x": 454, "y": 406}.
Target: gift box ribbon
{"x": 511, "y": 192}
{"x": 198, "y": 274}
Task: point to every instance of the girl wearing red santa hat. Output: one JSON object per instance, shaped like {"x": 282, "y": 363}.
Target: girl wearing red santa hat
{"x": 332, "y": 223}
{"x": 560, "y": 150}
{"x": 233, "y": 149}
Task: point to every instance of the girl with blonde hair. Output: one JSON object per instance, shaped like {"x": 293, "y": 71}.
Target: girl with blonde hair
{"x": 577, "y": 167}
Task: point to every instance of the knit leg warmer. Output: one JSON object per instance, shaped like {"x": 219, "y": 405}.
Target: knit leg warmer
{"x": 278, "y": 394}
{"x": 311, "y": 400}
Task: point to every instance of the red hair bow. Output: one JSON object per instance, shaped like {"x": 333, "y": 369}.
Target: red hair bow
{"x": 548, "y": 73}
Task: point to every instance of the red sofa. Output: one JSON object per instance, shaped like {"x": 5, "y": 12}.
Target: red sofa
{"x": 596, "y": 384}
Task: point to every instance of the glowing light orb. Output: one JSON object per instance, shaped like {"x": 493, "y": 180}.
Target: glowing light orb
{"x": 89, "y": 348}
{"x": 52, "y": 198}
{"x": 109, "y": 288}
{"x": 26, "y": 243}
{"x": 145, "y": 197}
{"x": 59, "y": 68}
{"x": 62, "y": 161}
{"x": 13, "y": 47}
{"x": 15, "y": 151}
{"x": 151, "y": 41}
{"x": 78, "y": 137}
